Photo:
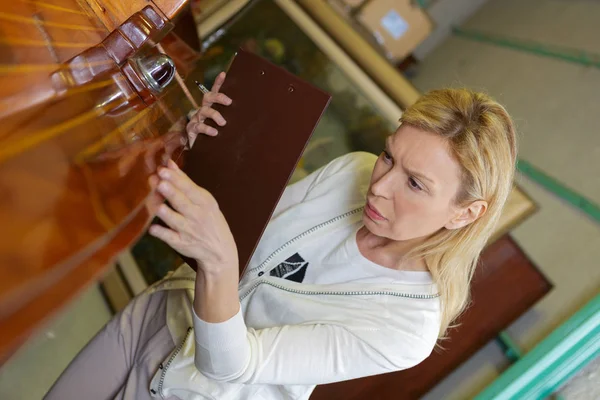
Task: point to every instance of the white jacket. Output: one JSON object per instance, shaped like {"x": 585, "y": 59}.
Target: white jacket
{"x": 288, "y": 336}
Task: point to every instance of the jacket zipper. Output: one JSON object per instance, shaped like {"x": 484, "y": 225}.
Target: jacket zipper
{"x": 168, "y": 364}
{"x": 341, "y": 293}
{"x": 303, "y": 235}
{"x": 328, "y": 292}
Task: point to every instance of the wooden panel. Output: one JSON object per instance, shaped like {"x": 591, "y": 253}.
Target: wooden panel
{"x": 506, "y": 284}
{"x": 15, "y": 328}
{"x": 114, "y": 13}
{"x": 63, "y": 208}
{"x": 79, "y": 139}
{"x": 35, "y": 37}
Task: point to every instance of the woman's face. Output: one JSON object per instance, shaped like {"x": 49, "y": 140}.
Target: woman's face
{"x": 413, "y": 187}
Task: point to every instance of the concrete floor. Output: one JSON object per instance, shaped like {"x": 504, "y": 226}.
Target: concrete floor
{"x": 31, "y": 372}
{"x": 555, "y": 105}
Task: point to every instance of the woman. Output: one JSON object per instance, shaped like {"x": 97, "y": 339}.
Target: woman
{"x": 363, "y": 266}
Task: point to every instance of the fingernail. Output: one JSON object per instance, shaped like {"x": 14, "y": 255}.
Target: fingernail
{"x": 163, "y": 187}
{"x": 214, "y": 132}
{"x": 164, "y": 173}
{"x": 222, "y": 122}
{"x": 228, "y": 101}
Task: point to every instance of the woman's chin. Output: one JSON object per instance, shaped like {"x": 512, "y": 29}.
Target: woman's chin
{"x": 376, "y": 228}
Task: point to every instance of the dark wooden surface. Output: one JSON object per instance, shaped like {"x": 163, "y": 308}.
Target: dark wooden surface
{"x": 506, "y": 284}
{"x": 80, "y": 132}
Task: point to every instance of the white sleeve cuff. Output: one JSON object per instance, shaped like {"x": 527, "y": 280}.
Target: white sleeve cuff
{"x": 220, "y": 336}
{"x": 222, "y": 349}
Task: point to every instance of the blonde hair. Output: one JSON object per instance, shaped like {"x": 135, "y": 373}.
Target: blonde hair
{"x": 481, "y": 136}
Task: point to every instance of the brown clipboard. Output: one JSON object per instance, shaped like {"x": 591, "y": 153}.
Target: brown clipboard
{"x": 248, "y": 164}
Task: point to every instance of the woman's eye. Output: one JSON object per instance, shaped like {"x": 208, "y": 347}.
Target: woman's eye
{"x": 414, "y": 184}
{"x": 387, "y": 156}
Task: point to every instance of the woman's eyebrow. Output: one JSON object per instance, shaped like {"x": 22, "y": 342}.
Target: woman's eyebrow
{"x": 420, "y": 175}
{"x": 410, "y": 171}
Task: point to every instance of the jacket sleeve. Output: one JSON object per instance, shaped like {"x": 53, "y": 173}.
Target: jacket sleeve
{"x": 309, "y": 354}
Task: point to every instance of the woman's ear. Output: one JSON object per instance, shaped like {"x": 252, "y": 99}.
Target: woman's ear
{"x": 468, "y": 214}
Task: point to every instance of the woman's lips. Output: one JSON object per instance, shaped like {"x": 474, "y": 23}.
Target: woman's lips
{"x": 373, "y": 213}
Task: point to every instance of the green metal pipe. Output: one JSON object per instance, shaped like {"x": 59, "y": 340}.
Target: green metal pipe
{"x": 553, "y": 361}
{"x": 511, "y": 349}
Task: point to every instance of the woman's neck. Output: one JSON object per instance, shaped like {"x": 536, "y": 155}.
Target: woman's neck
{"x": 387, "y": 252}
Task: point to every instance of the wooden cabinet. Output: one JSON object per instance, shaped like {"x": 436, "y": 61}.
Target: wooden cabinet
{"x": 92, "y": 99}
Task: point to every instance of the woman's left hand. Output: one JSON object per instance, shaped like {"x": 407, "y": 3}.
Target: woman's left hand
{"x": 198, "y": 228}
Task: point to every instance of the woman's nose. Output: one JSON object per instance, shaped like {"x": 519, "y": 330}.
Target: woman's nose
{"x": 382, "y": 187}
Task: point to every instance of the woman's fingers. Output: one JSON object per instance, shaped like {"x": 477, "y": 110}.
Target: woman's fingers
{"x": 219, "y": 98}
{"x": 173, "y": 194}
{"x": 222, "y": 98}
{"x": 155, "y": 199}
{"x": 194, "y": 128}
{"x": 173, "y": 219}
{"x": 198, "y": 228}
{"x": 153, "y": 181}
{"x": 192, "y": 135}
{"x": 196, "y": 125}
{"x": 218, "y": 83}
{"x": 208, "y": 130}
{"x": 208, "y": 112}
{"x": 194, "y": 193}
{"x": 168, "y": 236}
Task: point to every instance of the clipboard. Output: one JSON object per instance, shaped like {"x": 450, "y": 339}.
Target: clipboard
{"x": 248, "y": 164}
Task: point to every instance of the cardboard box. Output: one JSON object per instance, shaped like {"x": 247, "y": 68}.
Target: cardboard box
{"x": 397, "y": 25}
